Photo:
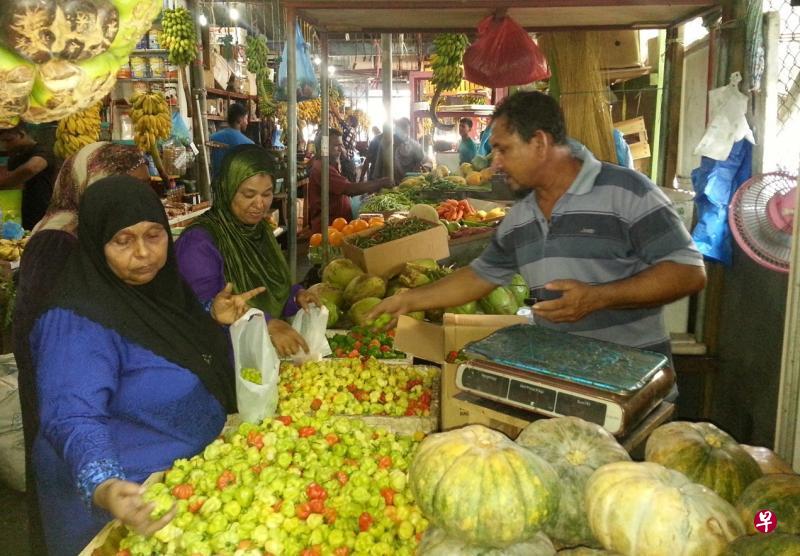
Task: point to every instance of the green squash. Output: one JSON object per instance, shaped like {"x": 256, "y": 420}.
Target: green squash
{"x": 435, "y": 542}
{"x": 575, "y": 448}
{"x": 778, "y": 493}
{"x": 647, "y": 509}
{"x": 481, "y": 487}
{"x": 586, "y": 551}
{"x": 767, "y": 460}
{"x": 706, "y": 455}
{"x": 774, "y": 544}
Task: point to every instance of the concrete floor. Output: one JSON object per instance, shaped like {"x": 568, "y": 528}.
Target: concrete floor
{"x": 13, "y": 523}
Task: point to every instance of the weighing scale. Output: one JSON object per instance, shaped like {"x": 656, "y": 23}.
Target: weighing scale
{"x": 560, "y": 374}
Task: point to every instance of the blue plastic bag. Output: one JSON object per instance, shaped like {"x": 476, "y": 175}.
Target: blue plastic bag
{"x": 307, "y": 83}
{"x": 180, "y": 131}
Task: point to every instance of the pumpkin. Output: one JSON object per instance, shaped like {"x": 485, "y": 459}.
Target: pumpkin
{"x": 575, "y": 448}
{"x": 435, "y": 542}
{"x": 774, "y": 544}
{"x": 778, "y": 493}
{"x": 481, "y": 487}
{"x": 59, "y": 57}
{"x": 586, "y": 551}
{"x": 706, "y": 455}
{"x": 767, "y": 460}
{"x": 645, "y": 508}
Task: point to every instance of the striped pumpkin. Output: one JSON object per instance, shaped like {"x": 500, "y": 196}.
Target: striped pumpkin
{"x": 768, "y": 461}
{"x": 481, "y": 487}
{"x": 575, "y": 448}
{"x": 706, "y": 455}
{"x": 778, "y": 493}
{"x": 436, "y": 542}
{"x": 774, "y": 544}
{"x": 647, "y": 509}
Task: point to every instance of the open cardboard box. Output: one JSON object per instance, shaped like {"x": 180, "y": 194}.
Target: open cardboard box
{"x": 433, "y": 342}
{"x": 388, "y": 259}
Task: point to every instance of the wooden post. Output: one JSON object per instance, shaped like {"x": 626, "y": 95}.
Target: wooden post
{"x": 291, "y": 121}
{"x": 324, "y": 145}
{"x": 673, "y": 118}
{"x": 386, "y": 75}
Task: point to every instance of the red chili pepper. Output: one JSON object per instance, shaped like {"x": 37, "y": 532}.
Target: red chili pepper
{"x": 385, "y": 462}
{"x": 303, "y": 511}
{"x": 316, "y": 403}
{"x": 331, "y": 439}
{"x": 255, "y": 438}
{"x": 183, "y": 491}
{"x": 225, "y": 479}
{"x": 388, "y": 496}
{"x": 384, "y": 349}
{"x": 342, "y": 477}
{"x": 365, "y": 521}
{"x": 330, "y": 515}
{"x": 195, "y": 506}
{"x": 305, "y": 432}
{"x": 285, "y": 419}
{"x": 314, "y": 491}
{"x": 317, "y": 505}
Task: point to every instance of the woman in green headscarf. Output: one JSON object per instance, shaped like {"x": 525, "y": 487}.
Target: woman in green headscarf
{"x": 233, "y": 243}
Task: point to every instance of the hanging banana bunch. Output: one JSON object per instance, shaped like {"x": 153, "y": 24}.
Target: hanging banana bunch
{"x": 257, "y": 53}
{"x": 76, "y": 131}
{"x": 152, "y": 121}
{"x": 448, "y": 68}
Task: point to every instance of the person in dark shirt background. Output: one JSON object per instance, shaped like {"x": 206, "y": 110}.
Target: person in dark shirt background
{"x": 30, "y": 168}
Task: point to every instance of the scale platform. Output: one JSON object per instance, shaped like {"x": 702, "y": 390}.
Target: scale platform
{"x": 560, "y": 374}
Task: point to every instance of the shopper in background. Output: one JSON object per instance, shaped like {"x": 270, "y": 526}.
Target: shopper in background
{"x": 601, "y": 245}
{"x": 231, "y": 136}
{"x": 233, "y": 243}
{"x": 131, "y": 371}
{"x": 31, "y": 168}
{"x": 340, "y": 188}
{"x": 54, "y": 239}
{"x": 467, "y": 149}
{"x": 408, "y": 153}
{"x": 368, "y": 169}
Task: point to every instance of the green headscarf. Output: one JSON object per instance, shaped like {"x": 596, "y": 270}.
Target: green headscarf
{"x": 251, "y": 253}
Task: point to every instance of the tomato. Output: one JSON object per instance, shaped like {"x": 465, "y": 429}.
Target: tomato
{"x": 316, "y": 403}
{"x": 353, "y": 354}
{"x": 331, "y": 439}
{"x": 388, "y": 496}
{"x": 365, "y": 521}
{"x": 384, "y": 349}
{"x": 183, "y": 491}
{"x": 225, "y": 479}
{"x": 317, "y": 505}
{"x": 385, "y": 462}
{"x": 375, "y": 343}
{"x": 357, "y": 345}
{"x": 330, "y": 515}
{"x": 342, "y": 477}
{"x": 285, "y": 419}
{"x": 391, "y": 333}
{"x": 255, "y": 438}
{"x": 303, "y": 511}
{"x": 314, "y": 491}
{"x": 195, "y": 506}
{"x": 305, "y": 432}
{"x": 339, "y": 353}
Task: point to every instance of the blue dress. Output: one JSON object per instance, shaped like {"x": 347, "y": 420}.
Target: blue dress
{"x": 108, "y": 408}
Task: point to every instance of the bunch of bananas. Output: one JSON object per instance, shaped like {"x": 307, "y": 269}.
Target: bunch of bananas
{"x": 178, "y": 35}
{"x": 448, "y": 70}
{"x": 257, "y": 53}
{"x": 76, "y": 131}
{"x": 152, "y": 120}
{"x": 11, "y": 249}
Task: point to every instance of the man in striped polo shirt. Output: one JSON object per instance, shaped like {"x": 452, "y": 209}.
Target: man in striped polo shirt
{"x": 599, "y": 245}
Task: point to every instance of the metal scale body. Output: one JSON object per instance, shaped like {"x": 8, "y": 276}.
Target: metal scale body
{"x": 559, "y": 374}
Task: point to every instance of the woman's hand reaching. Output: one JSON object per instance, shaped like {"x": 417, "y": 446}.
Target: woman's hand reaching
{"x": 305, "y": 299}
{"x": 123, "y": 500}
{"x": 287, "y": 340}
{"x": 228, "y": 307}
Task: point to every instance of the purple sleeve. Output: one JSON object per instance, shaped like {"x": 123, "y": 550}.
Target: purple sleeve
{"x": 291, "y": 306}
{"x": 200, "y": 263}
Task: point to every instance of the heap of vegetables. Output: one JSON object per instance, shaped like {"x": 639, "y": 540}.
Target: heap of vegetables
{"x": 60, "y": 57}
{"x": 365, "y": 341}
{"x": 391, "y": 232}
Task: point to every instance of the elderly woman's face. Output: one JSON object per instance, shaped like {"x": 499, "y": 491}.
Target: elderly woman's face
{"x": 137, "y": 253}
{"x": 253, "y": 199}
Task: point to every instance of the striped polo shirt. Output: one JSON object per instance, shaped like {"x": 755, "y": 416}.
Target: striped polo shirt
{"x": 612, "y": 223}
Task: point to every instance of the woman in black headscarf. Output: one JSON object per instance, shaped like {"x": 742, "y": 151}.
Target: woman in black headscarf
{"x": 131, "y": 371}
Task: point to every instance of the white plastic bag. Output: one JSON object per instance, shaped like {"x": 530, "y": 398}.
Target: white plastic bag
{"x": 311, "y": 325}
{"x": 12, "y": 442}
{"x": 252, "y": 348}
{"x": 727, "y": 109}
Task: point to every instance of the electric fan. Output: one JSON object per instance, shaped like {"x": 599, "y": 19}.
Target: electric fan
{"x": 761, "y": 216}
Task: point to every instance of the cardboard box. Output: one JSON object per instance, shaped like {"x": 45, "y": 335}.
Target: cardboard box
{"x": 387, "y": 259}
{"x": 433, "y": 342}
{"x": 620, "y": 49}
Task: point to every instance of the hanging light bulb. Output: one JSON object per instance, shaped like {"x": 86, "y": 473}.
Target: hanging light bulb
{"x": 317, "y": 60}
{"x": 202, "y": 20}
{"x": 331, "y": 70}
{"x": 233, "y": 13}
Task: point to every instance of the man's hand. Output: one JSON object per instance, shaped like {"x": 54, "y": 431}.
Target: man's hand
{"x": 228, "y": 307}
{"x": 123, "y": 500}
{"x": 305, "y": 299}
{"x": 578, "y": 299}
{"x": 394, "y": 306}
{"x": 287, "y": 340}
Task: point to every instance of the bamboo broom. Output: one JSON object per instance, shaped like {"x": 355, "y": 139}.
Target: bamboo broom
{"x": 575, "y": 59}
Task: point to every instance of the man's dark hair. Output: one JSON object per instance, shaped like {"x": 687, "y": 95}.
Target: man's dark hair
{"x": 530, "y": 111}
{"x": 332, "y": 132}
{"x": 466, "y": 121}
{"x": 236, "y": 112}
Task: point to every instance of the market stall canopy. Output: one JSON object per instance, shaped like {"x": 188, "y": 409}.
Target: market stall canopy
{"x": 460, "y": 15}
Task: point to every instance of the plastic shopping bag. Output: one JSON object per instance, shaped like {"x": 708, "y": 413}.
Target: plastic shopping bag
{"x": 307, "y": 83}
{"x": 504, "y": 55}
{"x": 311, "y": 325}
{"x": 252, "y": 349}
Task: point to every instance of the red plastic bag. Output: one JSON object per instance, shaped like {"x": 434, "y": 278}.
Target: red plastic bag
{"x": 504, "y": 55}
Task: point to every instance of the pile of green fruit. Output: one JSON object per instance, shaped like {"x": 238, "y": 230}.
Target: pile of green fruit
{"x": 307, "y": 486}
{"x": 365, "y": 341}
{"x": 391, "y": 232}
{"x": 353, "y": 387}
{"x": 251, "y": 374}
{"x": 179, "y": 36}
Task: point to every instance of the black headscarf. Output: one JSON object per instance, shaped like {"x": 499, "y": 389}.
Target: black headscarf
{"x": 163, "y": 315}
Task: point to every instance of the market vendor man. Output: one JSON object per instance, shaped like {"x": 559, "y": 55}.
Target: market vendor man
{"x": 340, "y": 188}
{"x": 467, "y": 149}
{"x": 598, "y": 244}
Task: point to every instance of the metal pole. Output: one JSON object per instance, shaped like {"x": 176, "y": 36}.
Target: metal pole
{"x": 324, "y": 144}
{"x": 386, "y": 75}
{"x": 291, "y": 121}
{"x": 199, "y": 122}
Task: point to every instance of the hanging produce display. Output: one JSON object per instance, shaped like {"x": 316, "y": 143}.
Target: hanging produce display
{"x": 257, "y": 54}
{"x": 152, "y": 122}
{"x": 448, "y": 70}
{"x": 76, "y": 131}
{"x": 179, "y": 36}
{"x": 60, "y": 57}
